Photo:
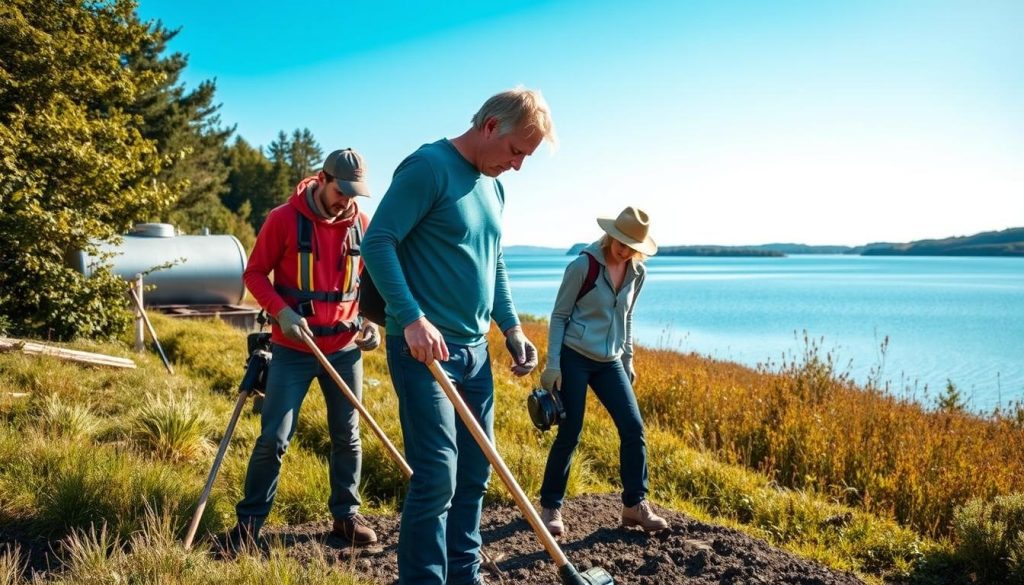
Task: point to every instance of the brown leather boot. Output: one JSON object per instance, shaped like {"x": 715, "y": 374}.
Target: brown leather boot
{"x": 354, "y": 530}
{"x": 643, "y": 516}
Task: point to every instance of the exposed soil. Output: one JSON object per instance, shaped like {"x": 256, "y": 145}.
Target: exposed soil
{"x": 688, "y": 552}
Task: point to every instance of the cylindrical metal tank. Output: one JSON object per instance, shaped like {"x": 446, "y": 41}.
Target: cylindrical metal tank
{"x": 207, "y": 269}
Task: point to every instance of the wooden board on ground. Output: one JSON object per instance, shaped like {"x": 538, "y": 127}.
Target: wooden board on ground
{"x": 32, "y": 348}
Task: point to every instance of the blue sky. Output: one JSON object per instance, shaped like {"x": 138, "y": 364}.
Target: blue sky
{"x": 729, "y": 122}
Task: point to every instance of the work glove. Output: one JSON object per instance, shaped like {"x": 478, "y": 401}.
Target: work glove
{"x": 551, "y": 378}
{"x": 627, "y": 364}
{"x": 292, "y": 324}
{"x": 523, "y": 352}
{"x": 368, "y": 338}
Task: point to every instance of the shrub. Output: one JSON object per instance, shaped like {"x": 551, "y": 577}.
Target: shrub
{"x": 990, "y": 537}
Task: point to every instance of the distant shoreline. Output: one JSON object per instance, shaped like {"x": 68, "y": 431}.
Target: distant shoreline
{"x": 1005, "y": 243}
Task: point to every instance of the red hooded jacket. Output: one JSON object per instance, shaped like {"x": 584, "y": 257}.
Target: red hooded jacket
{"x": 276, "y": 251}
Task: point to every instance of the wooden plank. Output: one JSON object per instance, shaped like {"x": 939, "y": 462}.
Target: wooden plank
{"x": 32, "y": 348}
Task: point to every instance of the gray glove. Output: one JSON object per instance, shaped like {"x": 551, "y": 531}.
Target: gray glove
{"x": 551, "y": 378}
{"x": 523, "y": 352}
{"x": 368, "y": 338}
{"x": 627, "y": 364}
{"x": 292, "y": 324}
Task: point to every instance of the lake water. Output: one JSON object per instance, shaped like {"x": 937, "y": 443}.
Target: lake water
{"x": 945, "y": 318}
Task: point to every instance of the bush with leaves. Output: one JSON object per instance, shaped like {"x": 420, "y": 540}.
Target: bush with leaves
{"x": 990, "y": 537}
{"x": 76, "y": 166}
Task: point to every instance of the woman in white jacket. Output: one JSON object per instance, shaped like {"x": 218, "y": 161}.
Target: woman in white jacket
{"x": 590, "y": 343}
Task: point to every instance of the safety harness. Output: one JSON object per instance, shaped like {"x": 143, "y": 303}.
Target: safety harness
{"x": 306, "y": 293}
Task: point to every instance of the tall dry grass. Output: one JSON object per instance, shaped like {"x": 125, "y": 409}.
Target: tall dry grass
{"x": 807, "y": 426}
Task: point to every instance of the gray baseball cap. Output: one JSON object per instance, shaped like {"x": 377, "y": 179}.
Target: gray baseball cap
{"x": 348, "y": 168}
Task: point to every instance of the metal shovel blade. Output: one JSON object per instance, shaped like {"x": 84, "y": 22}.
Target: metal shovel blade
{"x": 592, "y": 576}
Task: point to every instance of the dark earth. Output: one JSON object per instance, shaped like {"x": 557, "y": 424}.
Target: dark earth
{"x": 688, "y": 552}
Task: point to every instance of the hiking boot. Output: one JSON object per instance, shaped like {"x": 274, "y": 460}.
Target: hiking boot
{"x": 643, "y": 516}
{"x": 552, "y": 518}
{"x": 354, "y": 529}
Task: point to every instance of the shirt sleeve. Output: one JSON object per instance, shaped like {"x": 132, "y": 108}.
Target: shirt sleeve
{"x": 627, "y": 350}
{"x": 412, "y": 193}
{"x": 266, "y": 254}
{"x": 504, "y": 310}
{"x": 565, "y": 301}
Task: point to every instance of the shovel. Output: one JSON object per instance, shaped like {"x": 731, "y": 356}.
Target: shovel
{"x": 566, "y": 572}
{"x": 257, "y": 362}
{"x": 357, "y": 405}
{"x": 247, "y": 387}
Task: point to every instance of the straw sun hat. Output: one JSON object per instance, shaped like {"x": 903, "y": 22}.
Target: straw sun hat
{"x": 630, "y": 228}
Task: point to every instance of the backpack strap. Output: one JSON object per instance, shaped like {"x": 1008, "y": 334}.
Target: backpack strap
{"x": 305, "y": 241}
{"x": 341, "y": 327}
{"x": 310, "y": 295}
{"x": 593, "y": 270}
{"x": 353, "y": 259}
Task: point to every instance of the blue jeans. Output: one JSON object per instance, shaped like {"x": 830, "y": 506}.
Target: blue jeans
{"x": 291, "y": 373}
{"x": 612, "y": 387}
{"x": 439, "y": 539}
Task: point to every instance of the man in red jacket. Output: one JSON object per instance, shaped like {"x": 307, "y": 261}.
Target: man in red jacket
{"x": 311, "y": 245}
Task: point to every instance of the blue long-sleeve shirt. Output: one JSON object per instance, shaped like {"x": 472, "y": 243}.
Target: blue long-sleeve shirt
{"x": 434, "y": 247}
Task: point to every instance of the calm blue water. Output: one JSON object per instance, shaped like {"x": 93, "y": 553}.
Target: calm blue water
{"x": 945, "y": 318}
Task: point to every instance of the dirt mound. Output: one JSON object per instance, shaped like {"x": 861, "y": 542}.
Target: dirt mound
{"x": 688, "y": 552}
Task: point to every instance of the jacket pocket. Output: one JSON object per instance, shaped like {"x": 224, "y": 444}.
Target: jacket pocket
{"x": 575, "y": 330}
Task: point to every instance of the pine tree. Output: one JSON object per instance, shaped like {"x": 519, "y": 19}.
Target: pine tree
{"x": 185, "y": 125}
{"x": 304, "y": 154}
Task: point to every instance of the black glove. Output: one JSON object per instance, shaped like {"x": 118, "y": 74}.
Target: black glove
{"x": 368, "y": 338}
{"x": 524, "y": 353}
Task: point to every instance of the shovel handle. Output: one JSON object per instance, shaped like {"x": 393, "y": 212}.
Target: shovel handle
{"x": 357, "y": 405}
{"x": 499, "y": 465}
{"x": 194, "y": 524}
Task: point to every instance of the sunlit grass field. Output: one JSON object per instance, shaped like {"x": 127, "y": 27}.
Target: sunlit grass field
{"x": 109, "y": 463}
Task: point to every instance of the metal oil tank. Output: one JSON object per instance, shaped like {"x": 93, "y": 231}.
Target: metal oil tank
{"x": 207, "y": 269}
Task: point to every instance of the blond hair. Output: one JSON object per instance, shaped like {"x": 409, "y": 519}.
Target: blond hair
{"x": 518, "y": 108}
{"x": 606, "y": 244}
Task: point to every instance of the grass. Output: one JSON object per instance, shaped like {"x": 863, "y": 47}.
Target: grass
{"x": 172, "y": 428}
{"x": 110, "y": 462}
{"x": 810, "y": 428}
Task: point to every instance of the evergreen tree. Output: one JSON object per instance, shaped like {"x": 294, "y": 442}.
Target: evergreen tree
{"x": 253, "y": 185}
{"x": 76, "y": 163}
{"x": 186, "y": 128}
{"x": 267, "y": 181}
{"x": 303, "y": 155}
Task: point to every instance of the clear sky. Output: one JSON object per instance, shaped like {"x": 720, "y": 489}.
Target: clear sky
{"x": 729, "y": 122}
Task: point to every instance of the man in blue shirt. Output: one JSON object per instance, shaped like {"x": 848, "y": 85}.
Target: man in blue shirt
{"x": 434, "y": 252}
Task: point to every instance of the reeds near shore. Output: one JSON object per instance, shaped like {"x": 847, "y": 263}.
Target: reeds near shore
{"x": 808, "y": 427}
